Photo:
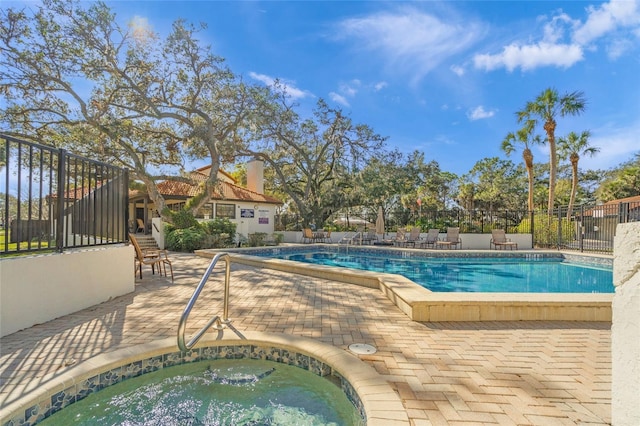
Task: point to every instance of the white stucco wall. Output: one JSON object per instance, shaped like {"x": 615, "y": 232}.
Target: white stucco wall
{"x": 36, "y": 289}
{"x": 625, "y": 329}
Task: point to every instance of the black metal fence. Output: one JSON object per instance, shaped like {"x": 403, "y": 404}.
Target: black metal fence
{"x": 469, "y": 222}
{"x": 587, "y": 228}
{"x": 51, "y": 200}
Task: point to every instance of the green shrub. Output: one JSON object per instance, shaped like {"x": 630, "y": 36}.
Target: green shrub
{"x": 220, "y": 232}
{"x": 257, "y": 239}
{"x": 183, "y": 219}
{"x": 185, "y": 240}
{"x": 545, "y": 230}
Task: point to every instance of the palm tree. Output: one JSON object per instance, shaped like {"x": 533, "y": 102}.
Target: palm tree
{"x": 572, "y": 147}
{"x": 547, "y": 106}
{"x": 523, "y": 136}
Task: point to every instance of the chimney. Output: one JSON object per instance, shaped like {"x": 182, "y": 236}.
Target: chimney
{"x": 255, "y": 176}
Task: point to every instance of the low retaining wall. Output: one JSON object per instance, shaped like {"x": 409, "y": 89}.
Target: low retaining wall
{"x": 36, "y": 289}
{"x": 469, "y": 241}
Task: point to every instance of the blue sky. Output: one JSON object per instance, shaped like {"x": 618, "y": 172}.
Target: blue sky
{"x": 445, "y": 78}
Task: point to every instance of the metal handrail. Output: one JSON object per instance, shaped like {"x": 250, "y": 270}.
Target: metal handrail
{"x": 219, "y": 323}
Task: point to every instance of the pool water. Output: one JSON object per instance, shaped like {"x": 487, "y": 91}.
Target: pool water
{"x": 474, "y": 274}
{"x": 221, "y": 392}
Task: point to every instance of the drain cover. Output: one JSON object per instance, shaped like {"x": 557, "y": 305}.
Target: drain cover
{"x": 362, "y": 349}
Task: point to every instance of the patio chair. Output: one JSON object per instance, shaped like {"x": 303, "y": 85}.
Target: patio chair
{"x": 432, "y": 238}
{"x": 499, "y": 240}
{"x": 308, "y": 236}
{"x": 401, "y": 237}
{"x": 141, "y": 226}
{"x": 451, "y": 240}
{"x": 150, "y": 256}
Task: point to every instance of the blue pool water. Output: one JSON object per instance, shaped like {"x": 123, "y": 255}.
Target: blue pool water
{"x": 473, "y": 274}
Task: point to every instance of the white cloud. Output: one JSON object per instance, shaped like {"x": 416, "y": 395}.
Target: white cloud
{"x": 288, "y": 87}
{"x": 350, "y": 89}
{"x": 457, "y": 70}
{"x": 338, "y": 99}
{"x": 617, "y": 145}
{"x": 530, "y": 56}
{"x": 409, "y": 40}
{"x": 619, "y": 47}
{"x": 479, "y": 113}
{"x": 380, "y": 85}
{"x": 554, "y": 30}
{"x": 141, "y": 29}
{"x": 606, "y": 19}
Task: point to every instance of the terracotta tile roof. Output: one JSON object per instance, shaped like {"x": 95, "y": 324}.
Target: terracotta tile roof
{"x": 634, "y": 199}
{"x": 610, "y": 208}
{"x": 79, "y": 192}
{"x": 225, "y": 191}
{"x": 205, "y": 171}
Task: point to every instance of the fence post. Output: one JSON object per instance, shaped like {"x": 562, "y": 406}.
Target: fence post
{"x": 623, "y": 213}
{"x": 60, "y": 205}
{"x": 559, "y": 228}
{"x": 125, "y": 193}
{"x": 532, "y": 215}
{"x": 5, "y": 212}
{"x": 581, "y": 229}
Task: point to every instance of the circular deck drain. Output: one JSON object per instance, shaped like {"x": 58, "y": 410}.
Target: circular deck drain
{"x": 362, "y": 349}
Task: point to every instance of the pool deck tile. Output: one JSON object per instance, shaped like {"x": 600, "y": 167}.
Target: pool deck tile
{"x": 462, "y": 373}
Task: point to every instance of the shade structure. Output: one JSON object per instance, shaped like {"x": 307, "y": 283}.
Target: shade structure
{"x": 380, "y": 222}
{"x": 352, "y": 220}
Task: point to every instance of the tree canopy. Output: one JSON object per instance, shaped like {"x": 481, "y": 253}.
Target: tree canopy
{"x": 75, "y": 77}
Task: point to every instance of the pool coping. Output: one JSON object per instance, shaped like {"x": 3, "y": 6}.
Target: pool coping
{"x": 382, "y": 405}
{"x": 423, "y": 305}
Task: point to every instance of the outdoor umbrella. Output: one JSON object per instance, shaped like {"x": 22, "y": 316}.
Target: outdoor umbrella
{"x": 380, "y": 222}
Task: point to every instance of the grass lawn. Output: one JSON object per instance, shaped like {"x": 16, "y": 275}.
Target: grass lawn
{"x": 12, "y": 248}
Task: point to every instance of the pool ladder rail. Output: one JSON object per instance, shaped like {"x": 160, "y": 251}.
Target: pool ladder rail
{"x": 217, "y": 322}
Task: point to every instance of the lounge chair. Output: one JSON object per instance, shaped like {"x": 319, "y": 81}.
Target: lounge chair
{"x": 451, "y": 240}
{"x": 150, "y": 256}
{"x": 432, "y": 238}
{"x": 370, "y": 237}
{"x": 413, "y": 238}
{"x": 499, "y": 240}
{"x": 401, "y": 237}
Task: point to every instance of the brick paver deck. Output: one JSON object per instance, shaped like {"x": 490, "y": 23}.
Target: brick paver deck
{"x": 508, "y": 373}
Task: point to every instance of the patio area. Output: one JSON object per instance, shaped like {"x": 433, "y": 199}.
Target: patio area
{"x": 508, "y": 373}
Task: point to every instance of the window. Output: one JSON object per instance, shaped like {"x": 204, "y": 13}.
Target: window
{"x": 226, "y": 210}
{"x": 205, "y": 212}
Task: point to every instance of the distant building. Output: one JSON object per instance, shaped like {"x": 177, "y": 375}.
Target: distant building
{"x": 605, "y": 217}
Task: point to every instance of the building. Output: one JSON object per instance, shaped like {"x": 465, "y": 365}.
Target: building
{"x": 249, "y": 208}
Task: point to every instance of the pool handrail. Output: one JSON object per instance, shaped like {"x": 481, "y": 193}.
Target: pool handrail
{"x": 219, "y": 322}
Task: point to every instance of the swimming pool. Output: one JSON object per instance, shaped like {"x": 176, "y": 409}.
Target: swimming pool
{"x": 421, "y": 304}
{"x": 477, "y": 273}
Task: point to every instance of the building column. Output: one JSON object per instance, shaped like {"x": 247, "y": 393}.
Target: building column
{"x": 625, "y": 329}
